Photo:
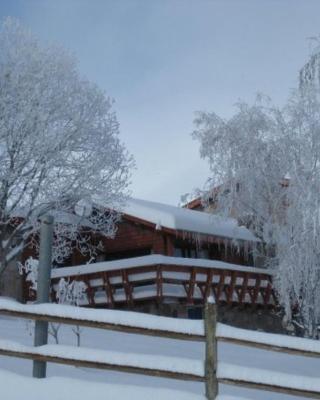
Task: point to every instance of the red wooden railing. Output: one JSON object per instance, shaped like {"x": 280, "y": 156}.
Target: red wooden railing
{"x": 189, "y": 281}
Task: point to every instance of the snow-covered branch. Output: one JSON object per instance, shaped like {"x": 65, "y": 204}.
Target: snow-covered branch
{"x": 265, "y": 163}
{"x": 59, "y": 144}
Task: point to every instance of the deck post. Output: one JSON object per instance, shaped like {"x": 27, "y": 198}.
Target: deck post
{"x": 43, "y": 289}
{"x": 210, "y": 322}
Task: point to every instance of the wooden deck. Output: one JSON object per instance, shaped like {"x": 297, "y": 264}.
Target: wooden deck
{"x": 166, "y": 282}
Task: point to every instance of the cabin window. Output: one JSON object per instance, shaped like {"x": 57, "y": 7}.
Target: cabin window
{"x": 185, "y": 252}
{"x": 204, "y": 253}
{"x": 193, "y": 253}
{"x": 216, "y": 252}
{"x": 178, "y": 252}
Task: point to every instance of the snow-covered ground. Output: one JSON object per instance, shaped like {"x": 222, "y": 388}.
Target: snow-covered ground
{"x": 17, "y": 387}
{"x": 16, "y": 330}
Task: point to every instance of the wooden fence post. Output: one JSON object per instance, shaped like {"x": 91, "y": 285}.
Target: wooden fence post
{"x": 43, "y": 289}
{"x": 210, "y": 322}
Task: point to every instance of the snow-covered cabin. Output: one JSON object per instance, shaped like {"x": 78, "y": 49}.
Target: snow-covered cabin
{"x": 148, "y": 227}
{"x": 167, "y": 260}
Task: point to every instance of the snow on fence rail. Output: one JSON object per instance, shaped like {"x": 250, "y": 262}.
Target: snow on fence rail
{"x": 125, "y": 321}
{"x": 270, "y": 381}
{"x": 268, "y": 341}
{"x": 210, "y": 372}
{"x": 166, "y": 367}
{"x": 152, "y": 325}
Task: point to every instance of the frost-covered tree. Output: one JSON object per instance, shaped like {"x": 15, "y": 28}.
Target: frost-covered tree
{"x": 59, "y": 146}
{"x": 73, "y": 293}
{"x": 309, "y": 74}
{"x": 245, "y": 156}
{"x": 267, "y": 163}
{"x": 66, "y": 292}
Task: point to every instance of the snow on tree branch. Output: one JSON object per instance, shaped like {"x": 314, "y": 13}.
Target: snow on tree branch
{"x": 265, "y": 165}
{"x": 59, "y": 144}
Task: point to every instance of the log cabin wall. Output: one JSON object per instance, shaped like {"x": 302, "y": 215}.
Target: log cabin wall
{"x": 133, "y": 239}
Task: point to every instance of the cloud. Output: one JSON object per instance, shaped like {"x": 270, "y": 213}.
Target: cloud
{"x": 162, "y": 61}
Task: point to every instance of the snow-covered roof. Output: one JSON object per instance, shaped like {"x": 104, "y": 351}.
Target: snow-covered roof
{"x": 164, "y": 216}
{"x": 60, "y": 216}
{"x": 183, "y": 219}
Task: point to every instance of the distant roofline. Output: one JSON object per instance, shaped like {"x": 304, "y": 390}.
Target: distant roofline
{"x": 193, "y": 203}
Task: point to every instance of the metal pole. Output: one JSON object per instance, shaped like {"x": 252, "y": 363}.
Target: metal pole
{"x": 210, "y": 322}
{"x": 43, "y": 289}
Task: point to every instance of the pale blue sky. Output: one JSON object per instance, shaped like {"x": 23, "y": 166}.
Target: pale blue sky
{"x": 161, "y": 60}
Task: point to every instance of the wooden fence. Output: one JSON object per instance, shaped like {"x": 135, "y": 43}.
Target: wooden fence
{"x": 211, "y": 372}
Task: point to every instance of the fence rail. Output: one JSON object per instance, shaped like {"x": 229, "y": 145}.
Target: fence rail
{"x": 270, "y": 347}
{"x": 270, "y": 388}
{"x": 129, "y": 322}
{"x": 48, "y": 354}
{"x": 104, "y": 325}
{"x": 123, "y": 321}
